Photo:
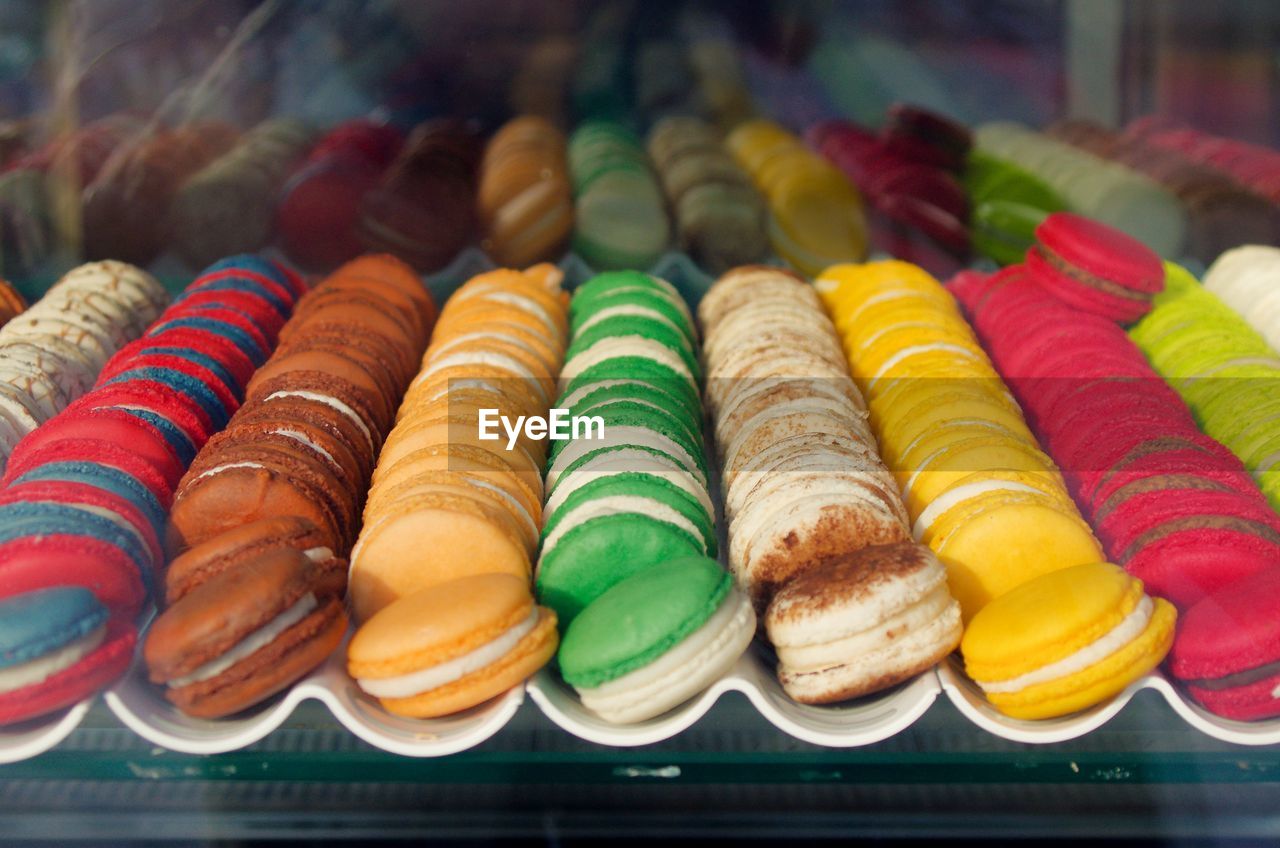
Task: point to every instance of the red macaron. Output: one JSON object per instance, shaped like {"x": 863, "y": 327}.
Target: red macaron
{"x": 1095, "y": 268}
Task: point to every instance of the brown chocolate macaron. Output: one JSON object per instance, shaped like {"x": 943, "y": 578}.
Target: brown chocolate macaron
{"x": 240, "y": 484}
{"x": 236, "y": 546}
{"x": 246, "y": 633}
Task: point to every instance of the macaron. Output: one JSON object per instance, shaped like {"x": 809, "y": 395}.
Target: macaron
{"x": 1245, "y": 278}
{"x": 1066, "y": 641}
{"x": 1094, "y": 267}
{"x": 497, "y": 346}
{"x": 656, "y": 639}
{"x": 862, "y": 622}
{"x": 1225, "y": 649}
{"x": 979, "y": 490}
{"x": 453, "y": 646}
{"x": 720, "y": 218}
{"x": 598, "y": 530}
{"x": 1107, "y": 192}
{"x": 246, "y": 633}
{"x": 228, "y": 206}
{"x": 524, "y": 197}
{"x": 816, "y": 217}
{"x": 620, "y": 218}
{"x": 57, "y": 646}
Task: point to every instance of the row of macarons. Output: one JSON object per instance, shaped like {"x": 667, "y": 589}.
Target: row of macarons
{"x": 611, "y": 365}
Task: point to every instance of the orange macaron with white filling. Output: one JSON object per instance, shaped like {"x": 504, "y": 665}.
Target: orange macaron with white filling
{"x": 452, "y": 646}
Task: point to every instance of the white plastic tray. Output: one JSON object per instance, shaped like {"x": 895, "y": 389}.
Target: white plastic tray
{"x": 142, "y": 707}
{"x": 856, "y": 723}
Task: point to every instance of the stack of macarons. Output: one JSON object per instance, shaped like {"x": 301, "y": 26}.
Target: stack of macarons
{"x": 228, "y": 206}
{"x": 1094, "y": 268}
{"x": 451, "y": 497}
{"x": 908, "y": 171}
{"x": 306, "y": 439}
{"x": 440, "y": 576}
{"x": 247, "y": 613}
{"x": 525, "y": 201}
{"x": 1221, "y": 213}
{"x": 1226, "y": 372}
{"x": 86, "y": 493}
{"x": 424, "y": 208}
{"x": 629, "y": 491}
{"x": 1008, "y": 203}
{"x": 978, "y": 489}
{"x": 1171, "y": 505}
{"x": 720, "y": 218}
{"x": 1248, "y": 280}
{"x": 125, "y": 211}
{"x": 814, "y": 515}
{"x": 1109, "y": 192}
{"x": 816, "y": 216}
{"x": 620, "y": 213}
{"x": 1252, "y": 166}
{"x": 319, "y": 205}
{"x": 12, "y": 303}
{"x": 52, "y": 354}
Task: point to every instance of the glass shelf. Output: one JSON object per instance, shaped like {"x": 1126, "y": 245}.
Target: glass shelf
{"x": 1145, "y": 772}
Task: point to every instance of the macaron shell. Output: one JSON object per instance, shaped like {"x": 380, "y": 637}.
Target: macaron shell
{"x": 533, "y": 652}
{"x": 94, "y": 672}
{"x": 1098, "y": 682}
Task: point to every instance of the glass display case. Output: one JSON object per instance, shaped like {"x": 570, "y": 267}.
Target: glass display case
{"x": 305, "y": 133}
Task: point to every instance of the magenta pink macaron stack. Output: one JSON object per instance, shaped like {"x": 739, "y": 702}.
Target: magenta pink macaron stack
{"x": 908, "y": 172}
{"x": 1253, "y": 166}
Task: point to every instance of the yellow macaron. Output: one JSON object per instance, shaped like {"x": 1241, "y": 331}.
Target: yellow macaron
{"x": 1066, "y": 641}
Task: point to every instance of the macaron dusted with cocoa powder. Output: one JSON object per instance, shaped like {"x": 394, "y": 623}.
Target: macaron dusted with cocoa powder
{"x": 247, "y": 632}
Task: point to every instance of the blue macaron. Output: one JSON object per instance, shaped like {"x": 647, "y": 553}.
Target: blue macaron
{"x": 204, "y": 361}
{"x": 42, "y": 518}
{"x": 235, "y": 335}
{"x": 36, "y": 624}
{"x": 189, "y": 386}
{"x": 104, "y": 477}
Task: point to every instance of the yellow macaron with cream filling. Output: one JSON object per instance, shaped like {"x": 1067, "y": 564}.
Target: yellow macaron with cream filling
{"x": 1066, "y": 641}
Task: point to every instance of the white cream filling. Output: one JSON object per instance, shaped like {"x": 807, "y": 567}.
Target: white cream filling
{"x": 42, "y": 668}
{"x": 616, "y": 505}
{"x": 333, "y": 403}
{"x": 686, "y": 669}
{"x": 624, "y": 462}
{"x": 915, "y": 350}
{"x": 228, "y": 467}
{"x": 635, "y": 311}
{"x": 417, "y": 682}
{"x": 304, "y": 440}
{"x": 616, "y": 347}
{"x": 667, "y": 291}
{"x": 525, "y": 304}
{"x": 1122, "y": 634}
{"x": 491, "y": 359}
{"x": 491, "y": 335}
{"x": 318, "y": 554}
{"x": 622, "y": 436}
{"x": 959, "y": 495}
{"x": 255, "y": 641}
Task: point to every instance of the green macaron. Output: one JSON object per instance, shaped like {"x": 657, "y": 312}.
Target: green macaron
{"x": 641, "y": 618}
